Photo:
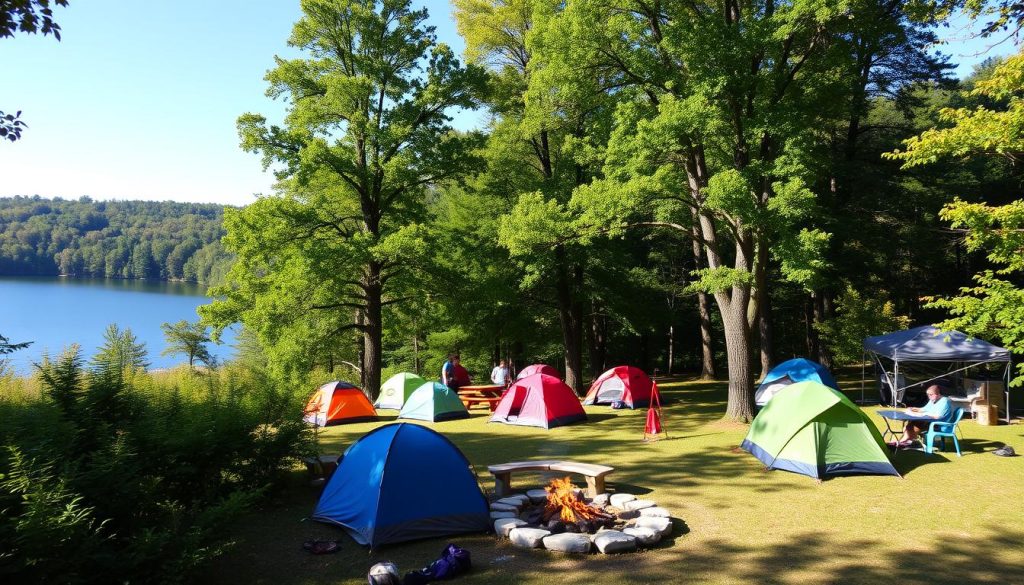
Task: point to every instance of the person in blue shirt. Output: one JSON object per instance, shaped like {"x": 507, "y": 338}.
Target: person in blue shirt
{"x": 938, "y": 408}
{"x": 449, "y": 372}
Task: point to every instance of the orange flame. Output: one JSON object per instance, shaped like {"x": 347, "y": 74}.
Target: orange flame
{"x": 562, "y": 500}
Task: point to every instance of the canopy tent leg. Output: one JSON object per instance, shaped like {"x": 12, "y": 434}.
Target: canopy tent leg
{"x": 863, "y": 359}
{"x": 896, "y": 376}
{"x": 1009, "y": 369}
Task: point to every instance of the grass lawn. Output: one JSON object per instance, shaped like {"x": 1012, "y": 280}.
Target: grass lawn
{"x": 949, "y": 520}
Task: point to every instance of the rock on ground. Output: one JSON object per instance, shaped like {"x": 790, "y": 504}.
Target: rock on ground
{"x": 618, "y": 500}
{"x": 528, "y": 537}
{"x": 644, "y": 536}
{"x": 502, "y": 526}
{"x": 613, "y": 541}
{"x": 656, "y": 511}
{"x": 662, "y": 526}
{"x": 537, "y": 496}
{"x": 639, "y": 504}
{"x": 600, "y": 500}
{"x": 496, "y": 515}
{"x": 499, "y": 507}
{"x": 568, "y": 542}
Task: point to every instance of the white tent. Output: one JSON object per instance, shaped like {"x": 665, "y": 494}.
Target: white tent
{"x": 929, "y": 344}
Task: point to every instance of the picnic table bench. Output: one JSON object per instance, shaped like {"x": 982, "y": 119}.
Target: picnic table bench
{"x": 489, "y": 394}
{"x": 471, "y": 401}
{"x": 593, "y": 473}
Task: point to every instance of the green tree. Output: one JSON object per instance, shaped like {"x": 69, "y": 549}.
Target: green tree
{"x": 994, "y": 306}
{"x": 366, "y": 134}
{"x": 540, "y": 150}
{"x": 120, "y": 350}
{"x": 190, "y": 339}
{"x": 7, "y": 347}
{"x": 718, "y": 148}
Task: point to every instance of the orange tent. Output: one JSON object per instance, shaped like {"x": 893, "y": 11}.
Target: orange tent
{"x": 337, "y": 403}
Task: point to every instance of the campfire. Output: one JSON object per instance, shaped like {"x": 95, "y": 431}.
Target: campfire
{"x": 561, "y": 518}
{"x": 565, "y": 511}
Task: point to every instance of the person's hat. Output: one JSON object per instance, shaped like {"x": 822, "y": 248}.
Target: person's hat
{"x": 385, "y": 573}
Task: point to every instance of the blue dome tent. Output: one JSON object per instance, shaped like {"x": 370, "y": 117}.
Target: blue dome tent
{"x": 403, "y": 482}
{"x": 791, "y": 372}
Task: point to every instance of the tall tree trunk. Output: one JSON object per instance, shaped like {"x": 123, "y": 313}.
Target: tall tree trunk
{"x": 671, "y": 349}
{"x": 361, "y": 344}
{"x": 707, "y": 351}
{"x": 373, "y": 330}
{"x": 739, "y": 351}
{"x": 764, "y": 328}
{"x": 598, "y": 342}
{"x": 810, "y": 333}
{"x": 570, "y": 315}
{"x": 707, "y": 362}
{"x": 821, "y": 312}
{"x": 416, "y": 353}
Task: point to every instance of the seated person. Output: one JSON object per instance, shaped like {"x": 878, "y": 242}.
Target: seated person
{"x": 938, "y": 408}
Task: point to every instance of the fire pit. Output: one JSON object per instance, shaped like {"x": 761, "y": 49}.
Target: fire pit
{"x": 559, "y": 517}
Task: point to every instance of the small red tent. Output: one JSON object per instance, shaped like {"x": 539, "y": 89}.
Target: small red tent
{"x": 337, "y": 403}
{"x": 538, "y": 369}
{"x": 625, "y": 384}
{"x": 539, "y": 401}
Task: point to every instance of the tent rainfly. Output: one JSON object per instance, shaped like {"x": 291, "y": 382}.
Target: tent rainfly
{"x": 815, "y": 430}
{"x": 397, "y": 389}
{"x": 337, "y": 403}
{"x": 791, "y": 372}
{"x": 403, "y": 482}
{"x": 930, "y": 344}
{"x": 538, "y": 369}
{"x": 539, "y": 401}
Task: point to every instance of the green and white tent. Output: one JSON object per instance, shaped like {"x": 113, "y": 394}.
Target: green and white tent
{"x": 815, "y": 430}
{"x": 433, "y": 402}
{"x": 397, "y": 389}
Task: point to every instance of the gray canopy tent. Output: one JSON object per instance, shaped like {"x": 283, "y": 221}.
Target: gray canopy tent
{"x": 929, "y": 344}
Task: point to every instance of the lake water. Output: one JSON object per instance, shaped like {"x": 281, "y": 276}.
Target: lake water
{"x": 54, "y": 312}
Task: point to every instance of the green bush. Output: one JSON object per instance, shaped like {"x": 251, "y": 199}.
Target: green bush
{"x": 856, "y": 318}
{"x": 111, "y": 475}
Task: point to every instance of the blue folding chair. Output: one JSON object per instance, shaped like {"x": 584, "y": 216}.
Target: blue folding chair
{"x": 941, "y": 430}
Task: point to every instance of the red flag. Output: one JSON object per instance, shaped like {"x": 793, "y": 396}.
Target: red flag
{"x": 653, "y": 423}
{"x": 653, "y": 429}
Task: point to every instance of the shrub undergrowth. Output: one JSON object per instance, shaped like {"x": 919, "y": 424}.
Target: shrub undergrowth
{"x": 125, "y": 476}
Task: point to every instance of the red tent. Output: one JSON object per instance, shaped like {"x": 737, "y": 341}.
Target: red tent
{"x": 539, "y": 401}
{"x": 621, "y": 384}
{"x": 337, "y": 403}
{"x": 538, "y": 369}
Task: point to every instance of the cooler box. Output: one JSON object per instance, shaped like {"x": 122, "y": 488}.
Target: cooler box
{"x": 986, "y": 414}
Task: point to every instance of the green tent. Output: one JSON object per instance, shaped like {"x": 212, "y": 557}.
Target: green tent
{"x": 397, "y": 389}
{"x": 433, "y": 402}
{"x": 812, "y": 429}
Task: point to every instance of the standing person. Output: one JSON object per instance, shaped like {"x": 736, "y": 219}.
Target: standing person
{"x": 450, "y": 372}
{"x": 938, "y": 408}
{"x": 499, "y": 375}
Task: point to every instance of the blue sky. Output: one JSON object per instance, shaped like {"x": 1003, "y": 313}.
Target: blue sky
{"x": 139, "y": 99}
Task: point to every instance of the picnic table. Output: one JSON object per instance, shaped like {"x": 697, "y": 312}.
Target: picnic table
{"x": 489, "y": 394}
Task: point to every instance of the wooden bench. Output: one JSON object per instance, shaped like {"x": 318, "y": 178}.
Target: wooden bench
{"x": 471, "y": 401}
{"x": 594, "y": 473}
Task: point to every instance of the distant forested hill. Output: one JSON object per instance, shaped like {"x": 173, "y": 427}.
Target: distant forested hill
{"x": 113, "y": 239}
